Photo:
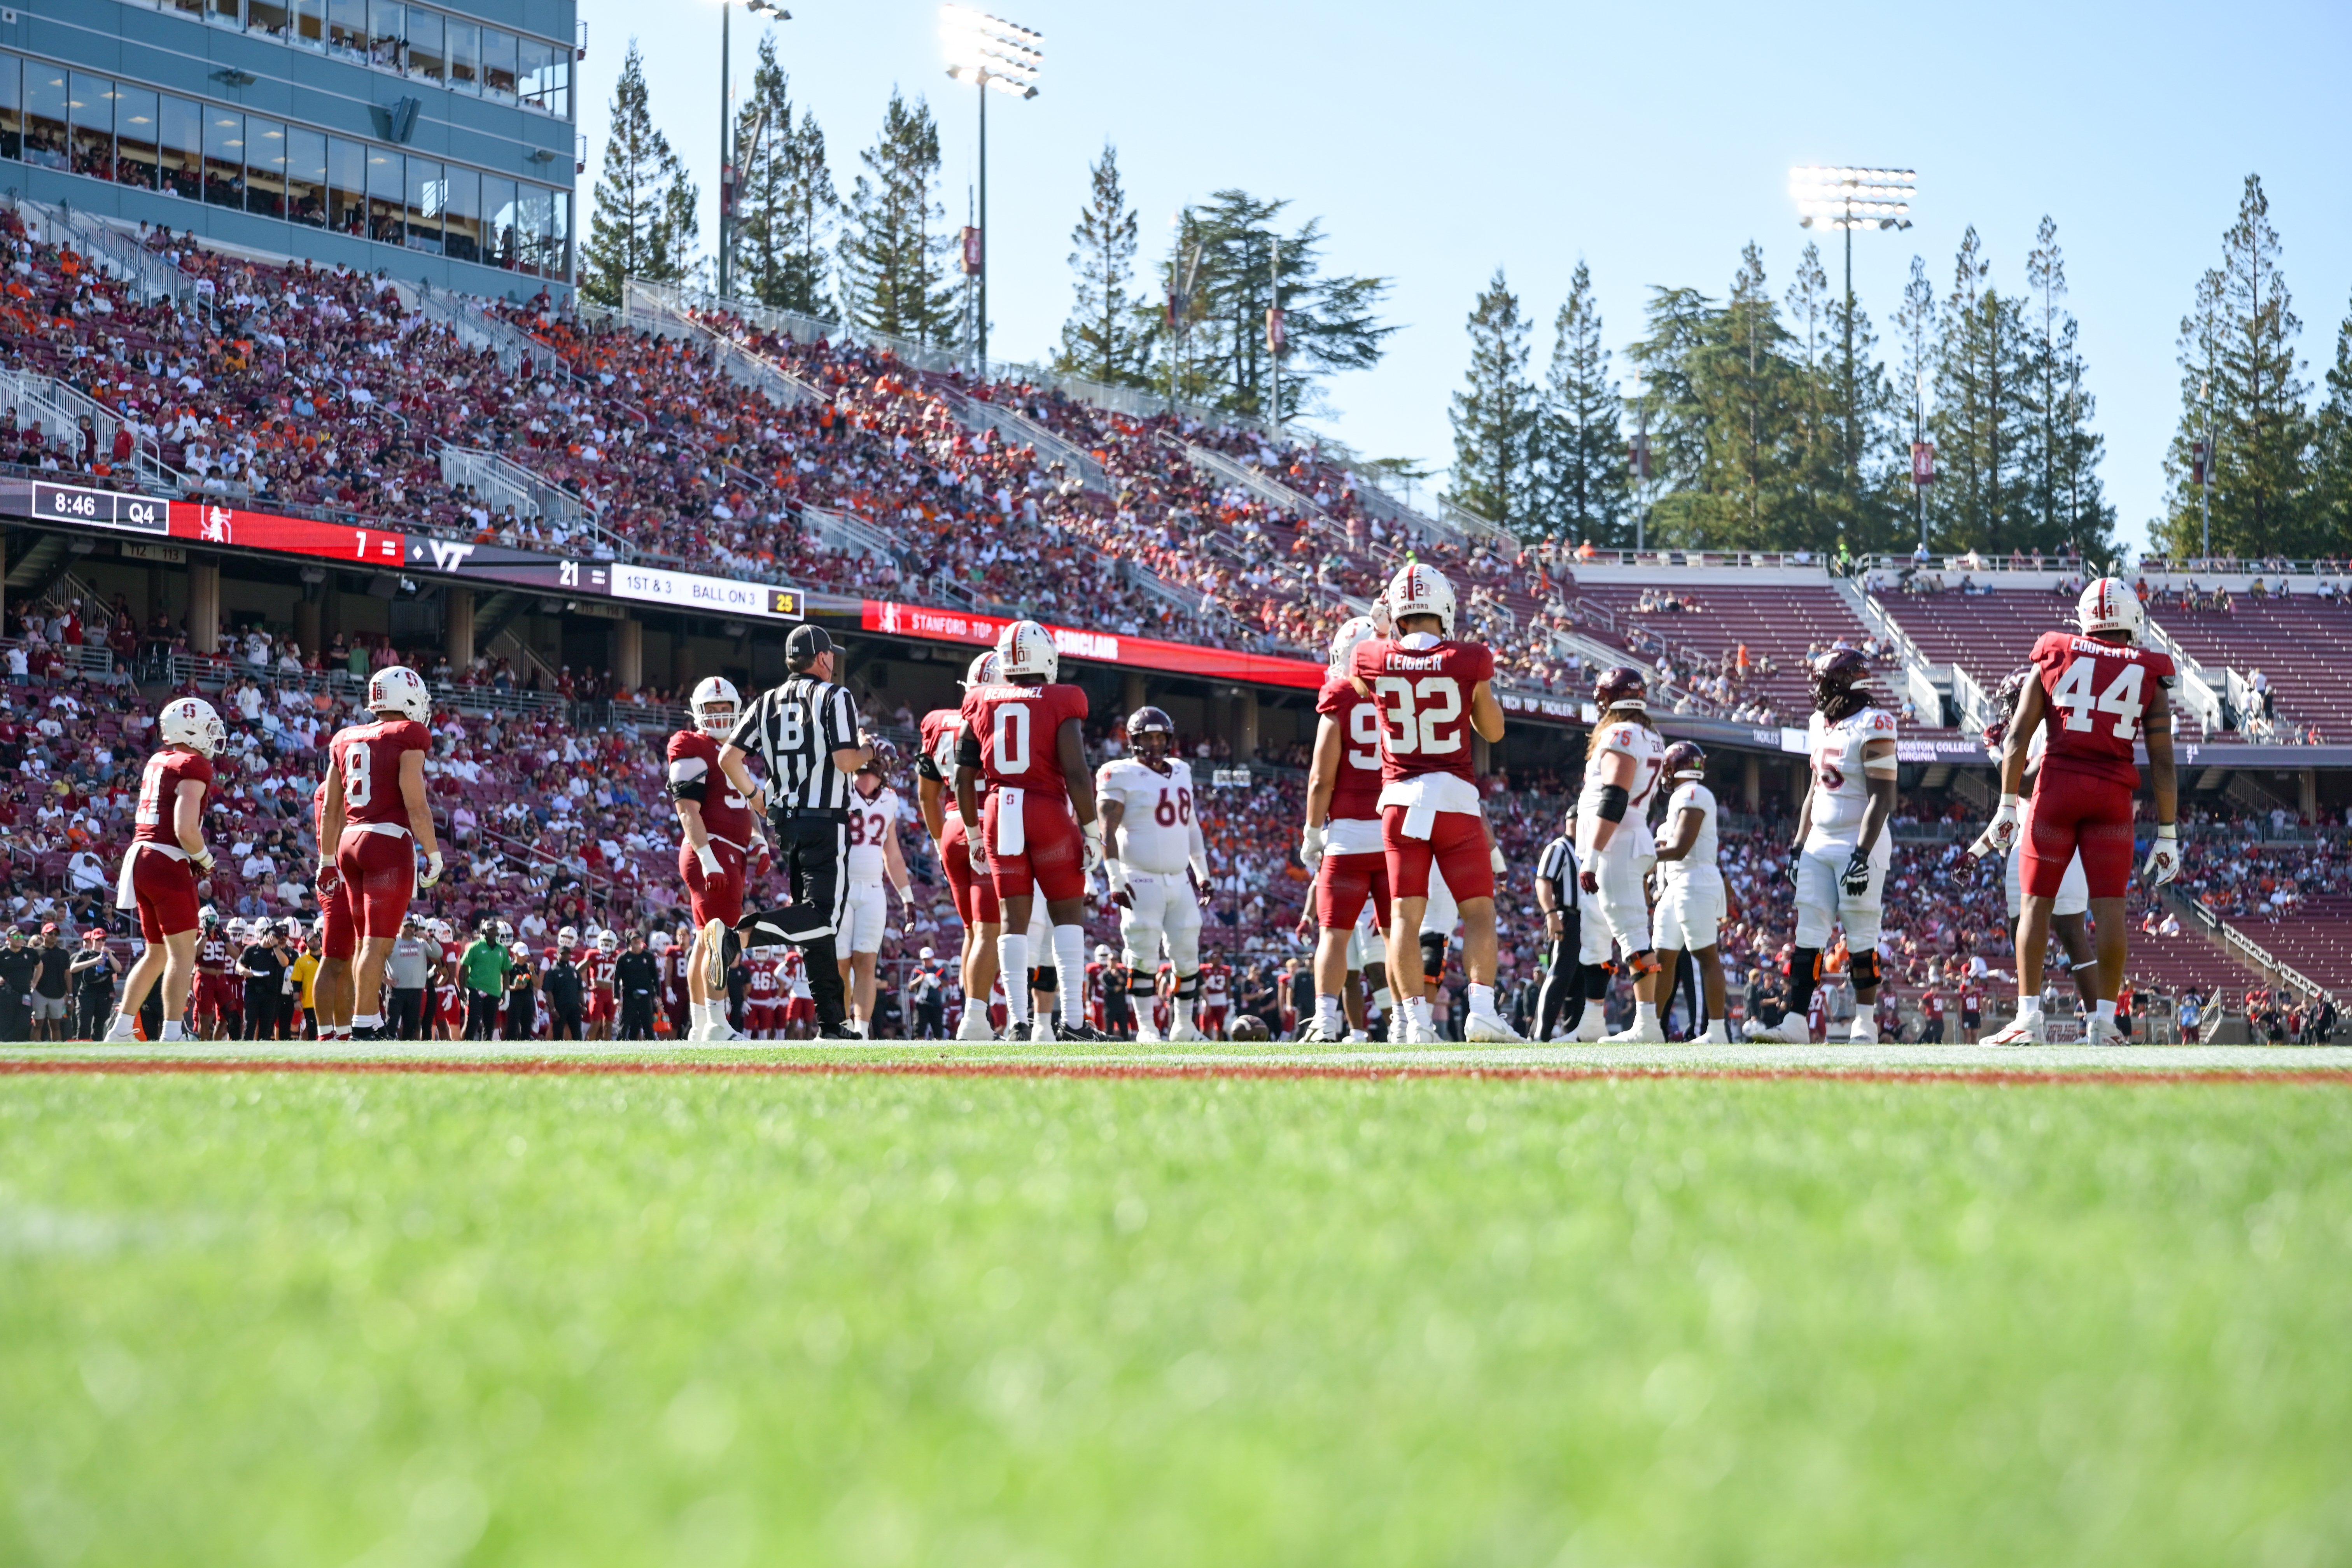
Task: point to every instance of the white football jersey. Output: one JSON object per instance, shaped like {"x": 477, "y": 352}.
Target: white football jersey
{"x": 1840, "y": 790}
{"x": 1701, "y": 860}
{"x": 1648, "y": 750}
{"x": 1156, "y": 819}
{"x": 871, "y": 822}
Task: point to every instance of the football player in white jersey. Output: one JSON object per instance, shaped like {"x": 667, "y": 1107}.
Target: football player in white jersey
{"x": 2074, "y": 900}
{"x": 1843, "y": 850}
{"x": 1622, "y": 763}
{"x": 1156, "y": 861}
{"x": 875, "y": 810}
{"x": 1690, "y": 884}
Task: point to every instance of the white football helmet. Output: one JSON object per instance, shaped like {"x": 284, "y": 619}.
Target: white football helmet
{"x": 399, "y": 689}
{"x": 567, "y": 937}
{"x": 1422, "y": 590}
{"x": 986, "y": 669}
{"x": 2110, "y": 605}
{"x": 1024, "y": 647}
{"x": 505, "y": 931}
{"x": 608, "y": 942}
{"x": 715, "y": 706}
{"x": 1353, "y": 633}
{"x": 191, "y": 721}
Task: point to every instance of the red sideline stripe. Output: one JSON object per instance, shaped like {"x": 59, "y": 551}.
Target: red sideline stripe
{"x": 546, "y": 1067}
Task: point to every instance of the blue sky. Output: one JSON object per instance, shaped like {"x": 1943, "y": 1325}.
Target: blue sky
{"x": 1437, "y": 144}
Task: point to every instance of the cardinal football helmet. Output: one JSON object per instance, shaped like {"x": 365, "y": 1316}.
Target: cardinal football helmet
{"x": 1024, "y": 647}
{"x": 1422, "y": 590}
{"x": 1353, "y": 633}
{"x": 986, "y": 669}
{"x": 1622, "y": 686}
{"x": 1844, "y": 684}
{"x": 1685, "y": 760}
{"x": 191, "y": 721}
{"x": 2109, "y": 606}
{"x": 715, "y": 706}
{"x": 397, "y": 689}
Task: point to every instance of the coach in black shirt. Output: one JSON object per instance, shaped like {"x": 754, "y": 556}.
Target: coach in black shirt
{"x": 561, "y": 986}
{"x": 807, "y": 736}
{"x": 17, "y": 967}
{"x": 637, "y": 980}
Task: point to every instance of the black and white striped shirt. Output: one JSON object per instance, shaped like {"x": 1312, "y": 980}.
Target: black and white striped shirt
{"x": 794, "y": 729}
{"x": 1557, "y": 866}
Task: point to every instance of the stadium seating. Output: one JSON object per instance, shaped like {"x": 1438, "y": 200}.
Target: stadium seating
{"x": 1779, "y": 624}
{"x": 1988, "y": 635}
{"x": 2299, "y": 642}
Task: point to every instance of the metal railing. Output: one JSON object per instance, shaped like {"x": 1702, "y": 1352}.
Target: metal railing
{"x": 474, "y": 324}
{"x": 533, "y": 495}
{"x": 2200, "y": 693}
{"x": 63, "y": 407}
{"x": 983, "y": 413}
{"x": 149, "y": 273}
{"x": 847, "y": 536}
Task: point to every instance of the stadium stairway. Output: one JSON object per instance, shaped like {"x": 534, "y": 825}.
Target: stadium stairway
{"x": 2299, "y": 643}
{"x": 2315, "y": 940}
{"x": 1775, "y": 621}
{"x": 1987, "y": 635}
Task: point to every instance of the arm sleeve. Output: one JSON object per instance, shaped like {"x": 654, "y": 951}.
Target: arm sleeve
{"x": 928, "y": 767}
{"x": 689, "y": 778}
{"x": 967, "y": 749}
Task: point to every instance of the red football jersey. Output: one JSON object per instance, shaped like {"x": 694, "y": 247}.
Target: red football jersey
{"x": 1357, "y": 793}
{"x": 1423, "y": 697}
{"x": 2097, "y": 693}
{"x": 1018, "y": 727}
{"x": 159, "y": 793}
{"x": 942, "y": 728}
{"x": 368, "y": 756}
{"x": 595, "y": 970}
{"x": 725, "y": 815}
{"x": 212, "y": 954}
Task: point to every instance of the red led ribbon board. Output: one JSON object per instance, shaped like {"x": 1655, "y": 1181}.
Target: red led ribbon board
{"x": 1103, "y": 647}
{"x": 201, "y": 523}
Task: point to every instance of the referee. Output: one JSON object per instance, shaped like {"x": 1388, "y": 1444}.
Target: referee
{"x": 1557, "y": 895}
{"x": 807, "y": 736}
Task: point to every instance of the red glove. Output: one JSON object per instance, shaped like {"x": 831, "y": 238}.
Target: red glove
{"x": 1588, "y": 881}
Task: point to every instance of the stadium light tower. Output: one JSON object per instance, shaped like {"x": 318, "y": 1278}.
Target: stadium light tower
{"x": 728, "y": 173}
{"x": 1849, "y": 198}
{"x": 988, "y": 52}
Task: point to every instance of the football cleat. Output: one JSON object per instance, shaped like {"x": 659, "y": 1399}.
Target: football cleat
{"x": 1791, "y": 1030}
{"x": 1638, "y": 1033}
{"x": 2025, "y": 1031}
{"x": 1082, "y": 1030}
{"x": 120, "y": 1033}
{"x": 841, "y": 1031}
{"x": 1487, "y": 1030}
{"x": 1185, "y": 1033}
{"x": 1719, "y": 1033}
{"x": 1592, "y": 1025}
{"x": 714, "y": 955}
{"x": 1312, "y": 1033}
{"x": 1145, "y": 1035}
{"x": 2098, "y": 1031}
{"x": 974, "y": 1025}
{"x": 1399, "y": 1026}
{"x": 1864, "y": 1031}
{"x": 1041, "y": 1030}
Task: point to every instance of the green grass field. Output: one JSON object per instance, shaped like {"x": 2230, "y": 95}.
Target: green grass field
{"x": 321, "y": 1320}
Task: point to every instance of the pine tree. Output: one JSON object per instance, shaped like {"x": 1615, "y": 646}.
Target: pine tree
{"x": 2197, "y": 349}
{"x": 1106, "y": 338}
{"x": 2329, "y": 505}
{"x": 1495, "y": 412}
{"x": 1748, "y": 388}
{"x": 784, "y": 196}
{"x": 2067, "y": 507}
{"x": 1915, "y": 328}
{"x": 677, "y": 234}
{"x": 1579, "y": 475}
{"x": 894, "y": 274}
{"x": 1979, "y": 424}
{"x": 632, "y": 232}
{"x": 1819, "y": 479}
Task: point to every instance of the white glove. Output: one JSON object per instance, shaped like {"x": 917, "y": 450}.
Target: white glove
{"x": 2163, "y": 858}
{"x": 709, "y": 859}
{"x": 329, "y": 881}
{"x": 1114, "y": 873}
{"x": 432, "y": 870}
{"x": 1094, "y": 845}
{"x": 203, "y": 861}
{"x": 1494, "y": 858}
{"x": 974, "y": 853}
{"x": 2002, "y": 835}
{"x": 1310, "y": 847}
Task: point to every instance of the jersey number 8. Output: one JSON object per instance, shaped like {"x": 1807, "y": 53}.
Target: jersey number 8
{"x": 359, "y": 785}
{"x": 1419, "y": 731}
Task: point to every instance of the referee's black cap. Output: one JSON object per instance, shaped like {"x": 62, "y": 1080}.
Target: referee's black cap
{"x": 807, "y": 646}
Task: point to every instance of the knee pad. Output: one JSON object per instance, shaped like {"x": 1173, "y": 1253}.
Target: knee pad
{"x": 1643, "y": 962}
{"x": 1045, "y": 977}
{"x": 1140, "y": 982}
{"x": 1188, "y": 986}
{"x": 1865, "y": 969}
{"x": 1432, "y": 956}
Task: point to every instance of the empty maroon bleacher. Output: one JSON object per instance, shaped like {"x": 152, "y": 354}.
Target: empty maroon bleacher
{"x": 2303, "y": 644}
{"x": 1775, "y": 620}
{"x": 2316, "y": 940}
{"x": 1988, "y": 635}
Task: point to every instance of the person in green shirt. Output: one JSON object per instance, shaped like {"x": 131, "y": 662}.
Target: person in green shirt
{"x": 482, "y": 968}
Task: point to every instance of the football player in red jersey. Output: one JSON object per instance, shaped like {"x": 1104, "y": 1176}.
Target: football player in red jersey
{"x": 975, "y": 896}
{"x": 167, "y": 854}
{"x": 1341, "y": 843}
{"x": 376, "y": 820}
{"x": 720, "y": 829}
{"x": 330, "y": 989}
{"x": 596, "y": 970}
{"x": 214, "y": 1005}
{"x": 1025, "y": 737}
{"x": 1433, "y": 694}
{"x": 2095, "y": 694}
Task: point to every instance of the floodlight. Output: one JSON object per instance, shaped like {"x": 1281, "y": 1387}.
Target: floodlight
{"x": 990, "y": 51}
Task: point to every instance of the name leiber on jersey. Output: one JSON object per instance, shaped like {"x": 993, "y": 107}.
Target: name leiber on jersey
{"x": 1156, "y": 822}
{"x": 1647, "y": 748}
{"x": 1016, "y": 728}
{"x": 869, "y": 825}
{"x": 1841, "y": 788}
{"x": 1421, "y": 687}
{"x": 2098, "y": 695}
{"x": 368, "y": 757}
